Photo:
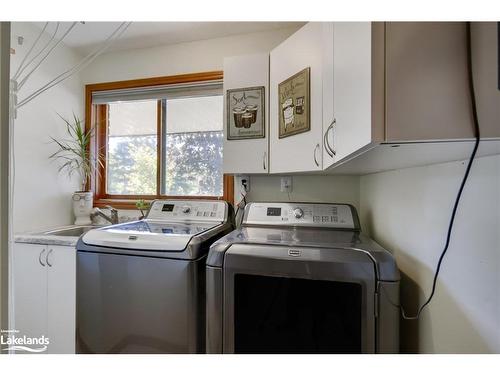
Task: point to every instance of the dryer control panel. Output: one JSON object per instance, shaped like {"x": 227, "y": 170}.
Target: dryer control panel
{"x": 188, "y": 210}
{"x": 342, "y": 216}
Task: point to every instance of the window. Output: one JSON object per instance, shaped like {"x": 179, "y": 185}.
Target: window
{"x": 160, "y": 137}
{"x": 131, "y": 148}
{"x": 193, "y": 146}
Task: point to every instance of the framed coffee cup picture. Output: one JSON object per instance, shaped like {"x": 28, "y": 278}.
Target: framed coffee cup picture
{"x": 245, "y": 113}
{"x": 294, "y": 104}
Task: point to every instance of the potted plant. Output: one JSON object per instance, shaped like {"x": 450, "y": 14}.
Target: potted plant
{"x": 75, "y": 157}
{"x": 142, "y": 206}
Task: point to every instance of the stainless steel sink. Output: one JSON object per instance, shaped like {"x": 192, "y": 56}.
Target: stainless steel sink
{"x": 75, "y": 231}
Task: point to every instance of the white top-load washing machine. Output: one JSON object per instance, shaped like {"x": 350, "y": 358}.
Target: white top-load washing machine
{"x": 141, "y": 285}
{"x": 301, "y": 278}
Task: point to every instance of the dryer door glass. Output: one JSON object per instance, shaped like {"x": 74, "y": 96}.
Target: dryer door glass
{"x": 293, "y": 315}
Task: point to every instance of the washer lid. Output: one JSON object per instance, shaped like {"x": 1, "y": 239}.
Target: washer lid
{"x": 304, "y": 238}
{"x": 147, "y": 235}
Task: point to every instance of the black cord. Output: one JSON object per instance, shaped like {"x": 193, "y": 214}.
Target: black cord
{"x": 244, "y": 200}
{"x": 241, "y": 220}
{"x": 238, "y": 207}
{"x": 477, "y": 135}
{"x": 236, "y": 213}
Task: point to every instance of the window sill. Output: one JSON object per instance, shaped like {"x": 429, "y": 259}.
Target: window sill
{"x": 129, "y": 204}
{"x": 123, "y": 204}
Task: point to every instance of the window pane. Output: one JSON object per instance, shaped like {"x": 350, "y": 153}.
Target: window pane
{"x": 194, "y": 114}
{"x": 132, "y": 148}
{"x": 193, "y": 147}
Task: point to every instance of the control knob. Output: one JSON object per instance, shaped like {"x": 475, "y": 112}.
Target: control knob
{"x": 298, "y": 213}
{"x": 186, "y": 209}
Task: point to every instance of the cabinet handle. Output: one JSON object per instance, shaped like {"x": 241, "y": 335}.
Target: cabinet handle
{"x": 315, "y": 158}
{"x": 329, "y": 149}
{"x": 40, "y": 258}
{"x": 47, "y": 258}
{"x": 264, "y": 160}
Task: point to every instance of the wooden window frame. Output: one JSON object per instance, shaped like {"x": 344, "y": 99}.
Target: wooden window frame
{"x": 97, "y": 115}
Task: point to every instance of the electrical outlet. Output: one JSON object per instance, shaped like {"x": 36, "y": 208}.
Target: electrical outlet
{"x": 286, "y": 184}
{"x": 243, "y": 183}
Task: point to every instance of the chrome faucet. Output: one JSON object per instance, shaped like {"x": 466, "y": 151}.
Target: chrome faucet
{"x": 113, "y": 219}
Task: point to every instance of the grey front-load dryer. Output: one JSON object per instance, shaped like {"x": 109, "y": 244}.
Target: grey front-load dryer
{"x": 301, "y": 278}
{"x": 141, "y": 285}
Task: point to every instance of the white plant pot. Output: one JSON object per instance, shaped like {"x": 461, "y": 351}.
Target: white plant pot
{"x": 83, "y": 202}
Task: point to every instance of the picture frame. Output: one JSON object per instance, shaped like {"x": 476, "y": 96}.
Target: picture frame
{"x": 294, "y": 95}
{"x": 245, "y": 113}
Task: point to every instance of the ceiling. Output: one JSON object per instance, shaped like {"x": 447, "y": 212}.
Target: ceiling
{"x": 87, "y": 36}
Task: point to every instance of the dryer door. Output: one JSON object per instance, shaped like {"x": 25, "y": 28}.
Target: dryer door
{"x": 279, "y": 299}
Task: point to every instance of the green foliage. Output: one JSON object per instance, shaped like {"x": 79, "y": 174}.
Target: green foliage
{"x": 141, "y": 204}
{"x": 193, "y": 164}
{"x": 74, "y": 153}
{"x": 132, "y": 165}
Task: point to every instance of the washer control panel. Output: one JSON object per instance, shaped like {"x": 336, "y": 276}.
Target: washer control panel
{"x": 301, "y": 214}
{"x": 188, "y": 210}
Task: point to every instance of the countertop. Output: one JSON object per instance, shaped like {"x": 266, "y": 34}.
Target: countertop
{"x": 41, "y": 238}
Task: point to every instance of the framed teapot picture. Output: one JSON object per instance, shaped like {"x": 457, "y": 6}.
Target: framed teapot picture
{"x": 294, "y": 104}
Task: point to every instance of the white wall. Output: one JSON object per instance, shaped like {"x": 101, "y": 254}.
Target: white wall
{"x": 337, "y": 189}
{"x": 42, "y": 196}
{"x": 4, "y": 170}
{"x": 191, "y": 57}
{"x": 407, "y": 211}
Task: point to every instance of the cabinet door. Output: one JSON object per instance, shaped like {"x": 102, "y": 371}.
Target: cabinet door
{"x": 301, "y": 152}
{"x": 329, "y": 154}
{"x": 61, "y": 266}
{"x": 30, "y": 290}
{"x": 352, "y": 87}
{"x": 247, "y": 155}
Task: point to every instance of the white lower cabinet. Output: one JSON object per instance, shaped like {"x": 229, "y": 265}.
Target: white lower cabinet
{"x": 30, "y": 290}
{"x": 44, "y": 282}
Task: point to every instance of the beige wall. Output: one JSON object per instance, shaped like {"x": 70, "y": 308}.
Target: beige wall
{"x": 407, "y": 211}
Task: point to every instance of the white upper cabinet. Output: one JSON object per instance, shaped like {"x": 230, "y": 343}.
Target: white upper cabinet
{"x": 352, "y": 88}
{"x": 352, "y": 116}
{"x": 402, "y": 83}
{"x": 246, "y": 155}
{"x": 300, "y": 152}
{"x": 374, "y": 87}
{"x": 329, "y": 152}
